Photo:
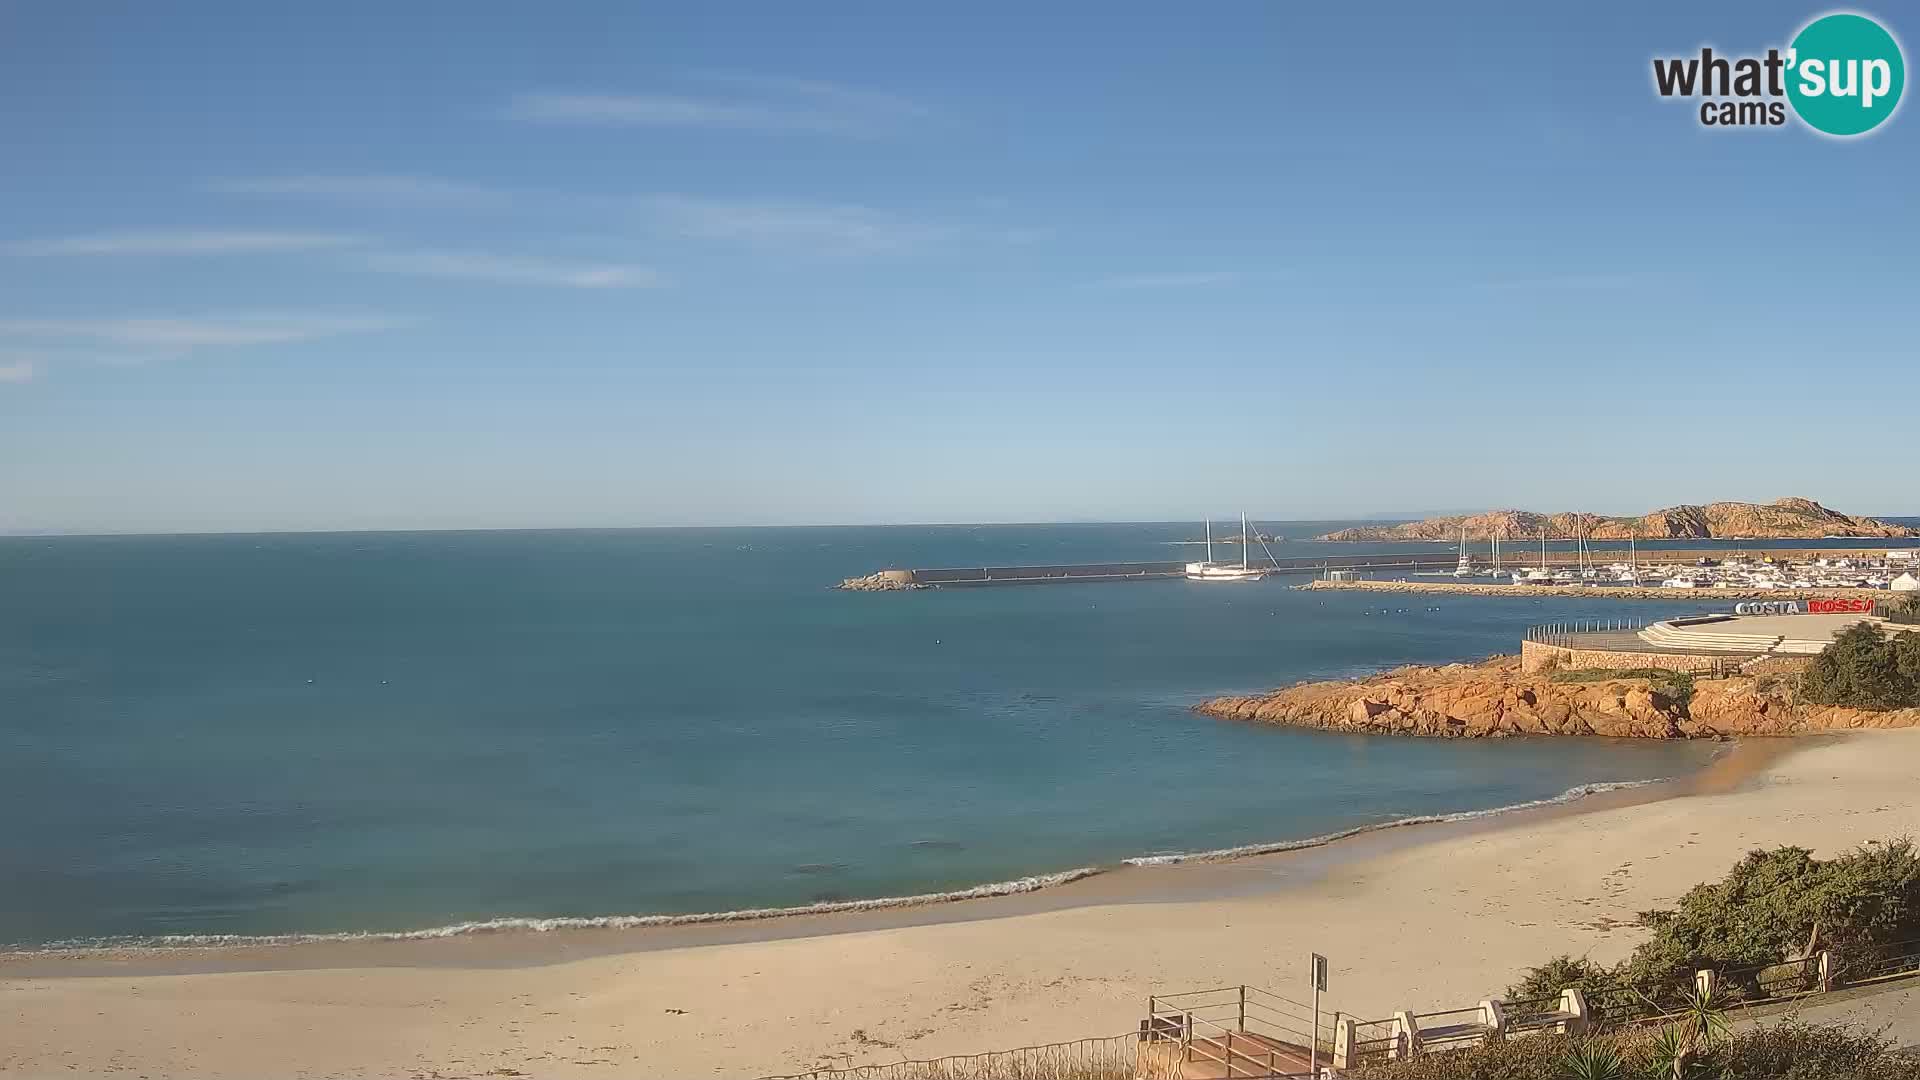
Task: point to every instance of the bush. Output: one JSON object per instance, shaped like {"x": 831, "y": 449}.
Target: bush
{"x": 1559, "y": 973}
{"x": 1800, "y": 1051}
{"x": 1906, "y": 610}
{"x": 1791, "y": 1051}
{"x": 1677, "y": 685}
{"x": 1771, "y": 906}
{"x": 1865, "y": 669}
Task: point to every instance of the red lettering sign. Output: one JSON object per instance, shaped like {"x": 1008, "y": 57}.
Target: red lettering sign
{"x": 1839, "y": 607}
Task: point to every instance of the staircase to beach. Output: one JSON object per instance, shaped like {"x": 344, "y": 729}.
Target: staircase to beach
{"x": 1233, "y": 1033}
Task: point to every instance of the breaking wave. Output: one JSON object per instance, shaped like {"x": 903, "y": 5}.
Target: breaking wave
{"x": 1572, "y": 794}
{"x": 1034, "y": 883}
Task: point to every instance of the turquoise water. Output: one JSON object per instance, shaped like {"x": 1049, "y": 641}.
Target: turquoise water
{"x": 326, "y": 733}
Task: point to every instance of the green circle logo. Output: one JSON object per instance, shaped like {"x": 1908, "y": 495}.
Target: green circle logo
{"x": 1845, "y": 74}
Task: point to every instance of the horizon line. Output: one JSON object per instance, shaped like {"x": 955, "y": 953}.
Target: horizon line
{"x": 58, "y": 534}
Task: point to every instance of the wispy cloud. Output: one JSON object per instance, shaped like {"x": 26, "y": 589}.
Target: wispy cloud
{"x": 181, "y": 242}
{"x": 514, "y": 269}
{"x": 755, "y": 103}
{"x": 197, "y": 332}
{"x": 826, "y": 228}
{"x": 14, "y": 370}
{"x": 1190, "y": 279}
{"x": 378, "y": 190}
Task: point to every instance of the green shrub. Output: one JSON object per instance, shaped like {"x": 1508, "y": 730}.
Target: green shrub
{"x": 1905, "y": 611}
{"x": 1559, "y": 973}
{"x": 1791, "y": 1051}
{"x": 1677, "y": 685}
{"x": 1865, "y": 669}
{"x": 1772, "y": 905}
{"x": 1769, "y": 907}
{"x": 1801, "y": 1051}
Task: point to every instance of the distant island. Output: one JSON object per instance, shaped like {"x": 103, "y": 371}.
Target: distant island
{"x": 1786, "y": 519}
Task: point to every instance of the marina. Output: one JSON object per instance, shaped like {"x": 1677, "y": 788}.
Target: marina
{"x": 1757, "y": 571}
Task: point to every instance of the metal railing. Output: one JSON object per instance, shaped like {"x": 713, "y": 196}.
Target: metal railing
{"x": 1622, "y": 1007}
{"x": 1117, "y": 1057}
{"x": 1243, "y": 1031}
{"x": 1558, "y": 633}
{"x": 1450, "y": 1027}
{"x": 1375, "y": 1041}
{"x": 1759, "y": 984}
{"x": 1534, "y": 1015}
{"x": 1889, "y": 961}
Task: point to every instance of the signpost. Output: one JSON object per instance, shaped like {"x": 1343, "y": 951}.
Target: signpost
{"x": 1313, "y": 1040}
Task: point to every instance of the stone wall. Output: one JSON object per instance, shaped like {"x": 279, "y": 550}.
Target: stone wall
{"x": 1537, "y": 656}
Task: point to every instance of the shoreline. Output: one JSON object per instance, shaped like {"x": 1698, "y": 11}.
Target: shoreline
{"x": 1422, "y": 918}
{"x": 532, "y": 941}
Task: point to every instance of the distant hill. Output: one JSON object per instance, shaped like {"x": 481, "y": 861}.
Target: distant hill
{"x": 1787, "y": 519}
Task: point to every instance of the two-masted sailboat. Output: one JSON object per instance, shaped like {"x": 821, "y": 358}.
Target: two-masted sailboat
{"x": 1213, "y": 571}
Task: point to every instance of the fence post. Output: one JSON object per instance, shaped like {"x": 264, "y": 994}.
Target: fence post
{"x": 1243, "y": 1006}
{"x": 1345, "y": 1033}
{"x": 1406, "y": 1036}
{"x": 1573, "y": 1002}
{"x": 1494, "y": 1017}
{"x": 1826, "y": 971}
{"x": 1706, "y": 981}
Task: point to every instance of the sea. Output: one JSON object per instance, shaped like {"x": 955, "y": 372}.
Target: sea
{"x": 244, "y": 738}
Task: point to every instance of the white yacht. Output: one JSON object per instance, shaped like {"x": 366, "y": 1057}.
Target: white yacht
{"x": 1465, "y": 569}
{"x": 1213, "y": 571}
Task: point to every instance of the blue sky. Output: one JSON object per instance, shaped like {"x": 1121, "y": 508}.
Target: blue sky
{"x": 438, "y": 265}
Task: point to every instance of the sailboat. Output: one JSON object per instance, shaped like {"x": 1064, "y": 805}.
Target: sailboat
{"x": 1213, "y": 571}
{"x": 1465, "y": 569}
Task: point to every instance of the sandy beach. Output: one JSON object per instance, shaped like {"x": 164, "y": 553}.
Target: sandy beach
{"x": 1428, "y": 916}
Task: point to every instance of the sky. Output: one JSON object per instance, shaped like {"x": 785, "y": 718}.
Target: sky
{"x": 439, "y": 265}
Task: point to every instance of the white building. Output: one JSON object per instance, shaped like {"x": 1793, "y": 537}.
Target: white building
{"x": 1905, "y": 583}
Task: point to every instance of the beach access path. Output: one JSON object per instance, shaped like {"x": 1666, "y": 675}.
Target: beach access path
{"x": 1426, "y": 917}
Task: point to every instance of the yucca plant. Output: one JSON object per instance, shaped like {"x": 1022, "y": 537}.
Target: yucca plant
{"x": 1594, "y": 1060}
{"x": 1698, "y": 1026}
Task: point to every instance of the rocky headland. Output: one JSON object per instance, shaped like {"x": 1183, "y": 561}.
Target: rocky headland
{"x": 1785, "y": 519}
{"x": 1494, "y": 698}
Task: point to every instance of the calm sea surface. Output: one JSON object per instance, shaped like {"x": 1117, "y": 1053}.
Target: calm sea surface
{"x": 349, "y": 732}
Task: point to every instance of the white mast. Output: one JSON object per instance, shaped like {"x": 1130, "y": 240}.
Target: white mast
{"x": 1243, "y": 539}
{"x": 1209, "y": 539}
